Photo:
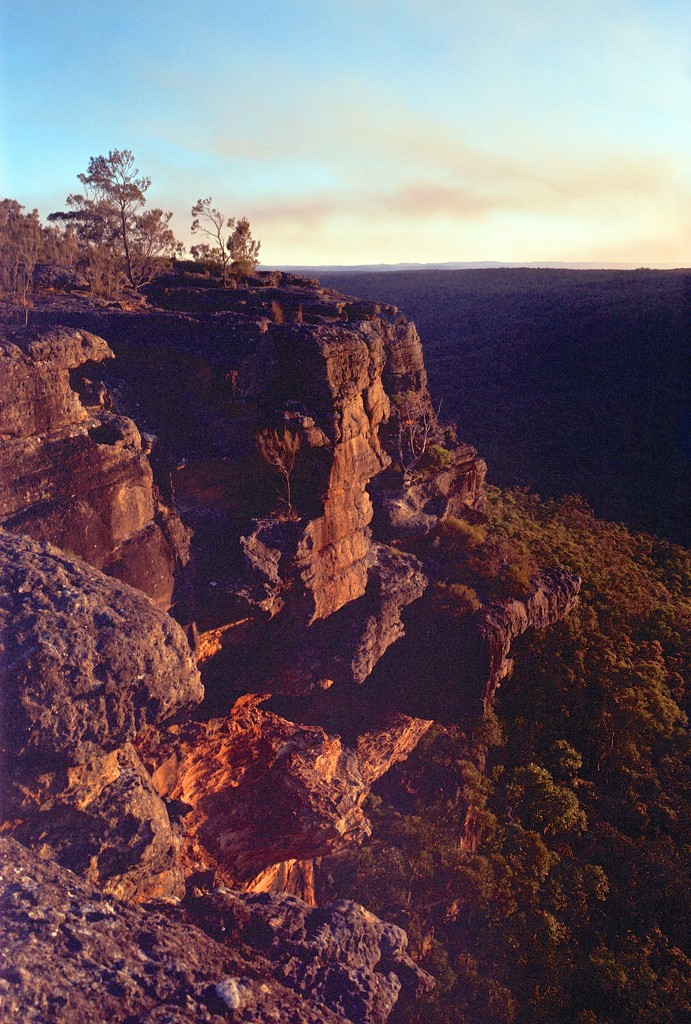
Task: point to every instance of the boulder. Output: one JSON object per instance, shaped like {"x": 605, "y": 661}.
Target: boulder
{"x": 104, "y": 821}
{"x": 85, "y": 661}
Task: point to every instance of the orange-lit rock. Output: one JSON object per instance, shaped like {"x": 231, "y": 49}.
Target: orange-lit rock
{"x": 104, "y": 821}
{"x": 266, "y": 795}
{"x": 74, "y": 473}
{"x": 261, "y": 789}
{"x": 379, "y": 749}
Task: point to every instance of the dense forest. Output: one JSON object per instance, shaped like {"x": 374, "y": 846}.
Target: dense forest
{"x": 566, "y": 900}
{"x": 566, "y": 381}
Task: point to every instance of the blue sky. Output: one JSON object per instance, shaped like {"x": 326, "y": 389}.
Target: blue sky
{"x": 361, "y": 131}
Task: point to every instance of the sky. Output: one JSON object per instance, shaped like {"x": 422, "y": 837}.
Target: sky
{"x": 367, "y": 131}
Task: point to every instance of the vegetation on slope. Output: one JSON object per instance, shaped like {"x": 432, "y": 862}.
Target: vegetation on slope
{"x": 551, "y": 885}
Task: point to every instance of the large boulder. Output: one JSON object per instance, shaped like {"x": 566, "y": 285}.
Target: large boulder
{"x": 85, "y": 661}
{"x": 340, "y": 955}
{"x": 104, "y": 821}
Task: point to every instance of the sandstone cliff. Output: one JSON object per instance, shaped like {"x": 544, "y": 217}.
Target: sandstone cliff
{"x": 323, "y": 654}
{"x": 75, "y": 473}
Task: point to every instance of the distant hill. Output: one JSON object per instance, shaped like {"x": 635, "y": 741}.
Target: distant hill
{"x": 368, "y": 268}
{"x": 566, "y": 380}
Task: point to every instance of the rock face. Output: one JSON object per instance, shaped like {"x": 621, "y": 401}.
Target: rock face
{"x": 419, "y": 508}
{"x": 85, "y": 661}
{"x": 74, "y": 949}
{"x": 74, "y": 473}
{"x": 554, "y": 595}
{"x": 340, "y": 955}
{"x": 349, "y": 381}
{"x": 261, "y": 790}
{"x": 104, "y": 821}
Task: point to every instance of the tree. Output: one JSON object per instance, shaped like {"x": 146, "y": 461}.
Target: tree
{"x": 20, "y": 248}
{"x": 243, "y": 248}
{"x": 416, "y": 424}
{"x": 118, "y": 239}
{"x": 280, "y": 450}
{"x": 153, "y": 245}
{"x": 211, "y": 222}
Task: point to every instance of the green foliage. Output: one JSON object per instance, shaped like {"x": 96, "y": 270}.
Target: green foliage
{"x": 459, "y": 534}
{"x": 433, "y": 459}
{"x": 211, "y": 222}
{"x": 552, "y": 885}
{"x": 489, "y": 562}
{"x": 455, "y": 598}
{"x": 243, "y": 249}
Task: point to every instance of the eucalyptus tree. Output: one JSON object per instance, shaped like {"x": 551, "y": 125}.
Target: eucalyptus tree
{"x": 119, "y": 239}
{"x": 211, "y": 222}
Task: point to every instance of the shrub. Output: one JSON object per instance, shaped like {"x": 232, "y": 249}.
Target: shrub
{"x": 434, "y": 459}
{"x": 456, "y": 599}
{"x": 460, "y": 534}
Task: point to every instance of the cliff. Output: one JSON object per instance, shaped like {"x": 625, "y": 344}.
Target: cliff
{"x": 311, "y": 613}
{"x": 75, "y": 473}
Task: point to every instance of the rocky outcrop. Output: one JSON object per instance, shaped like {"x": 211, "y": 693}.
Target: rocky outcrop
{"x": 74, "y": 949}
{"x": 102, "y": 820}
{"x": 430, "y": 497}
{"x": 347, "y": 378}
{"x": 74, "y": 473}
{"x": 554, "y": 594}
{"x": 342, "y": 648}
{"x": 85, "y": 663}
{"x": 37, "y": 396}
{"x": 380, "y": 749}
{"x": 260, "y": 790}
{"x": 333, "y": 375}
{"x": 340, "y": 955}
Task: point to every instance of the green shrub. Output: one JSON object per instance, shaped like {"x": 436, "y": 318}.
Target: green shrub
{"x": 434, "y": 459}
{"x": 460, "y": 534}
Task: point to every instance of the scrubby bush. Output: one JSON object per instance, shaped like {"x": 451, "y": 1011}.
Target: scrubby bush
{"x": 434, "y": 458}
{"x": 455, "y": 599}
{"x": 458, "y": 534}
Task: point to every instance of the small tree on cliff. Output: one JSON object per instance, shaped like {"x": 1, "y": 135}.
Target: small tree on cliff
{"x": 243, "y": 248}
{"x": 415, "y": 430}
{"x": 211, "y": 222}
{"x": 280, "y": 450}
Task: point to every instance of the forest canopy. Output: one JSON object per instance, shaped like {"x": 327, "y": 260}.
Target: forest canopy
{"x": 564, "y": 896}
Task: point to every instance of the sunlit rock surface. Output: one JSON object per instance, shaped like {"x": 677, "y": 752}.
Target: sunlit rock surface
{"x": 75, "y": 473}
